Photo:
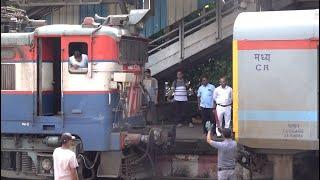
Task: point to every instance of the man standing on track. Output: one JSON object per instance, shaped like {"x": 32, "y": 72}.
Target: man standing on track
{"x": 64, "y": 160}
{"x": 223, "y": 98}
{"x": 227, "y": 153}
{"x": 150, "y": 85}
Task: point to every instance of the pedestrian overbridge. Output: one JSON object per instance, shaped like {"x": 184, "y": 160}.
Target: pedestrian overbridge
{"x": 194, "y": 38}
{"x": 191, "y": 37}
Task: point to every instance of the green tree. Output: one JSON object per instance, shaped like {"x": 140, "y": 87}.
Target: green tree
{"x": 214, "y": 68}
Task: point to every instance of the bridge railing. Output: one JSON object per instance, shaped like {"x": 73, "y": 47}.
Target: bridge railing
{"x": 192, "y": 23}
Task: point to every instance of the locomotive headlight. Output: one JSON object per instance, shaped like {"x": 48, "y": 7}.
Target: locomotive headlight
{"x": 46, "y": 164}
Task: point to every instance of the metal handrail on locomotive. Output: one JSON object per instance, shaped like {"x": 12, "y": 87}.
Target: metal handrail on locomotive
{"x": 42, "y": 96}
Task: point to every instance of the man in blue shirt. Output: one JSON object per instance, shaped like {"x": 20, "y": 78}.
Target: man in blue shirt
{"x": 205, "y": 103}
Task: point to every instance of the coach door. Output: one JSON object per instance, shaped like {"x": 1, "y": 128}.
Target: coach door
{"x": 74, "y": 78}
{"x": 49, "y": 76}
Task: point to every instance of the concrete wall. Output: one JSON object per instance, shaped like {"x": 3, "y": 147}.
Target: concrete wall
{"x": 166, "y": 12}
{"x": 75, "y": 14}
{"x": 192, "y": 166}
{"x": 177, "y": 9}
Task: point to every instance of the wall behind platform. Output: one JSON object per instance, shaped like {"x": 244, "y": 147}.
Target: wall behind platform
{"x": 64, "y": 15}
{"x": 159, "y": 19}
{"x": 177, "y": 9}
{"x": 91, "y": 10}
{"x": 166, "y": 13}
{"x": 190, "y": 166}
{"x": 184, "y": 165}
{"x": 202, "y": 3}
{"x": 75, "y": 14}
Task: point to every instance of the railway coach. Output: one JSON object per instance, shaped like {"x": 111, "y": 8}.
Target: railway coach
{"x": 276, "y": 88}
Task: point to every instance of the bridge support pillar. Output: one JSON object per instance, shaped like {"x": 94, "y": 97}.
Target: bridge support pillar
{"x": 181, "y": 39}
{"x": 282, "y": 166}
{"x": 219, "y": 18}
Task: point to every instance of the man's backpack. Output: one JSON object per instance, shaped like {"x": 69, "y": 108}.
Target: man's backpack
{"x": 175, "y": 84}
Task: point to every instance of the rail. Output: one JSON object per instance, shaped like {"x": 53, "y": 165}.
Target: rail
{"x": 190, "y": 24}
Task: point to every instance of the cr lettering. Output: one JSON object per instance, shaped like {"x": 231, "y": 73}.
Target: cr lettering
{"x": 260, "y": 67}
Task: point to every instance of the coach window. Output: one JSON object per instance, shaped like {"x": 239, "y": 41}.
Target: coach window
{"x": 78, "y": 58}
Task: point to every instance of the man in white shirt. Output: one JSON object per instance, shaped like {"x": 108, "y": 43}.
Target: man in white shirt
{"x": 205, "y": 103}
{"x": 150, "y": 86}
{"x": 64, "y": 160}
{"x": 223, "y": 98}
{"x": 78, "y": 60}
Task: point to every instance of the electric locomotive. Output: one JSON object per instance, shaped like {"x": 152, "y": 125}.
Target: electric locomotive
{"x": 42, "y": 97}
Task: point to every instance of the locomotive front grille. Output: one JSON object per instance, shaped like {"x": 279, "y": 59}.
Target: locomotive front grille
{"x": 133, "y": 51}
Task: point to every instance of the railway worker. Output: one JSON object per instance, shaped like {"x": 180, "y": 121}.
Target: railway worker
{"x": 150, "y": 85}
{"x": 205, "y": 102}
{"x": 64, "y": 160}
{"x": 78, "y": 60}
{"x": 227, "y": 153}
{"x": 180, "y": 97}
{"x": 223, "y": 100}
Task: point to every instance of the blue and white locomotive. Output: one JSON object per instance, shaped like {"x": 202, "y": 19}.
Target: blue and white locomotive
{"x": 42, "y": 97}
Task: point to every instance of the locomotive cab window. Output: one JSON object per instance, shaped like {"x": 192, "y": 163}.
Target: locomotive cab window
{"x": 78, "y": 58}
